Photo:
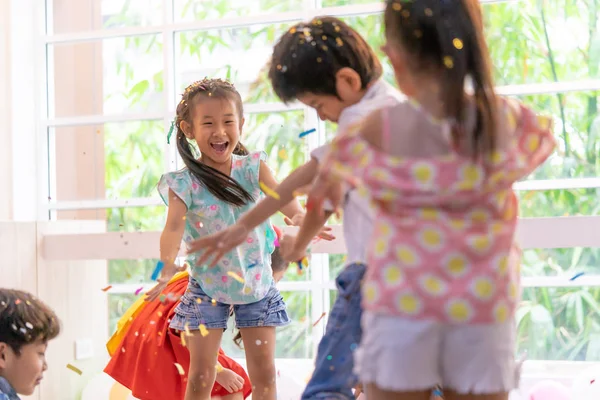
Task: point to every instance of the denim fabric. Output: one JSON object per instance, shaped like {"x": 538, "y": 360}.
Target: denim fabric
{"x": 333, "y": 377}
{"x": 196, "y": 307}
{"x": 6, "y": 391}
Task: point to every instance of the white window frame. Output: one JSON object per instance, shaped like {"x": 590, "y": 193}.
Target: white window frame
{"x": 30, "y": 177}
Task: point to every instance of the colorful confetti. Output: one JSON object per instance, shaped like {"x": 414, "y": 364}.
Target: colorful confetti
{"x": 319, "y": 320}
{"x": 268, "y": 191}
{"x": 577, "y": 276}
{"x": 235, "y": 276}
{"x": 106, "y": 289}
{"x": 308, "y": 132}
{"x": 139, "y": 290}
{"x": 282, "y": 154}
{"x": 203, "y": 330}
{"x": 74, "y": 369}
{"x": 157, "y": 270}
{"x": 179, "y": 369}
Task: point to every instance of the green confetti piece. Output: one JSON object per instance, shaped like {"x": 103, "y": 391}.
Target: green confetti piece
{"x": 170, "y": 132}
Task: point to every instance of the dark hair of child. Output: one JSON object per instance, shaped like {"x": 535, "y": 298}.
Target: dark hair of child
{"x": 278, "y": 265}
{"x": 446, "y": 37}
{"x": 219, "y": 184}
{"x": 24, "y": 320}
{"x": 307, "y": 58}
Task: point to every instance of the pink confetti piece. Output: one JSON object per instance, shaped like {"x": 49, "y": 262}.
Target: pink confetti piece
{"x": 139, "y": 290}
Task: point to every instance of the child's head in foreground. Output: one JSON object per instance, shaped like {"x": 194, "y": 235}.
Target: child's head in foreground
{"x": 324, "y": 64}
{"x": 436, "y": 47}
{"x": 26, "y": 326}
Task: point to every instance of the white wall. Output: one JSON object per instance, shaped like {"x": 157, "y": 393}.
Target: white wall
{"x": 5, "y": 113}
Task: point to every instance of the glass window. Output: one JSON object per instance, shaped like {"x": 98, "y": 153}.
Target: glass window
{"x": 106, "y": 161}
{"x": 110, "y": 76}
{"x": 197, "y": 10}
{"x": 67, "y": 16}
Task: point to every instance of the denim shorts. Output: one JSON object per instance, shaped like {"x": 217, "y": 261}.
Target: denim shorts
{"x": 333, "y": 377}
{"x": 190, "y": 313}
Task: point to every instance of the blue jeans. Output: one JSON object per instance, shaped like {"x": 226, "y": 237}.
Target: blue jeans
{"x": 333, "y": 377}
{"x": 196, "y": 307}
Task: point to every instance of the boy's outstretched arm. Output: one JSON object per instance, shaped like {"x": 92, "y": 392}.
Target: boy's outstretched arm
{"x": 218, "y": 244}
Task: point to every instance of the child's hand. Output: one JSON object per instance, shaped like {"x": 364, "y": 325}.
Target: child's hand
{"x": 288, "y": 251}
{"x": 298, "y": 219}
{"x": 168, "y": 271}
{"x": 218, "y": 244}
{"x": 231, "y": 381}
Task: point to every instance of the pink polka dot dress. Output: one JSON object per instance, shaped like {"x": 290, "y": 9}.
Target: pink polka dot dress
{"x": 444, "y": 239}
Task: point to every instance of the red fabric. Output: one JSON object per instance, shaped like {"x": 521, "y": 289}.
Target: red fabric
{"x": 145, "y": 360}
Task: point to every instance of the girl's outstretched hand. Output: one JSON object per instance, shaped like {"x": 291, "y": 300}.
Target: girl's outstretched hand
{"x": 166, "y": 274}
{"x": 215, "y": 246}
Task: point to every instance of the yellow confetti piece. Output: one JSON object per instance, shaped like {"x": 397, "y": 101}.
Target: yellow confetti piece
{"x": 179, "y": 369}
{"x": 448, "y": 62}
{"x": 198, "y": 300}
{"x": 214, "y": 302}
{"x": 182, "y": 337}
{"x": 268, "y": 191}
{"x": 235, "y": 276}
{"x": 203, "y": 330}
{"x": 219, "y": 368}
{"x": 457, "y": 43}
{"x": 282, "y": 154}
{"x": 74, "y": 369}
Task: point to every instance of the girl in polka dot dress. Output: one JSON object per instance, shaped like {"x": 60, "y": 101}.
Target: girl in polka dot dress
{"x": 442, "y": 280}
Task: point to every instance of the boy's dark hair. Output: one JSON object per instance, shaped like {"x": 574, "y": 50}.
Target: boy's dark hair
{"x": 448, "y": 36}
{"x": 24, "y": 319}
{"x": 222, "y": 186}
{"x": 308, "y": 56}
{"x": 278, "y": 265}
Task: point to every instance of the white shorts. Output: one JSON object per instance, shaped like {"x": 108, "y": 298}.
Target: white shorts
{"x": 403, "y": 355}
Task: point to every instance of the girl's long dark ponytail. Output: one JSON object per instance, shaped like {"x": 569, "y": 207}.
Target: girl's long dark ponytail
{"x": 222, "y": 186}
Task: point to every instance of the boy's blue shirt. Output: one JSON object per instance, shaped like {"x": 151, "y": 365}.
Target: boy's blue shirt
{"x": 6, "y": 391}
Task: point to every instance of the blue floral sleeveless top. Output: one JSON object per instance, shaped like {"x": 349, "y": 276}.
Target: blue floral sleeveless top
{"x": 244, "y": 274}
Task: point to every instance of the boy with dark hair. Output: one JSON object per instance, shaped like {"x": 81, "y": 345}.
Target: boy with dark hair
{"x": 328, "y": 66}
{"x": 26, "y": 326}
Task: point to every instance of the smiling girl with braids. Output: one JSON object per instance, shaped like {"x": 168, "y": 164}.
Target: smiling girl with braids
{"x": 221, "y": 182}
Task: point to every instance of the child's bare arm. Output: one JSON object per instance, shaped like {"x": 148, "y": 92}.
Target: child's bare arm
{"x": 216, "y": 245}
{"x": 170, "y": 242}
{"x": 285, "y": 190}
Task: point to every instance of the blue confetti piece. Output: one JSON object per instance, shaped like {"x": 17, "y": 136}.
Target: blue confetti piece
{"x": 159, "y": 266}
{"x": 308, "y": 132}
{"x": 576, "y": 276}
{"x": 252, "y": 265}
{"x": 437, "y": 392}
